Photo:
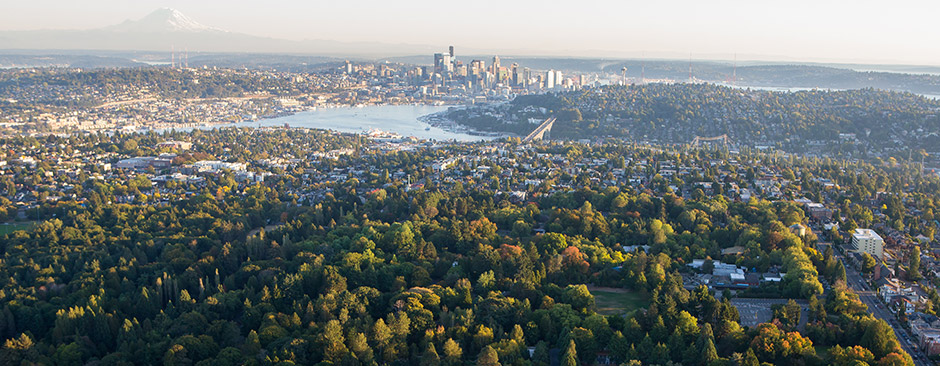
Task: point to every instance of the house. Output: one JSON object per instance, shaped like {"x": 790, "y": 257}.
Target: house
{"x": 798, "y": 230}
{"x": 899, "y": 303}
{"x": 140, "y": 162}
{"x": 818, "y": 211}
{"x": 645, "y": 248}
{"x": 894, "y": 287}
{"x": 178, "y": 145}
{"x": 735, "y": 250}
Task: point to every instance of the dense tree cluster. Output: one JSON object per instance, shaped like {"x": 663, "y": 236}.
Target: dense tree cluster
{"x": 676, "y": 113}
{"x": 379, "y": 272}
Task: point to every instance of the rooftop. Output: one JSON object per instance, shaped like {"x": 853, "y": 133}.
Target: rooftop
{"x": 866, "y": 234}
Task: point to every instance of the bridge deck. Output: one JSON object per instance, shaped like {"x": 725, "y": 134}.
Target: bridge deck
{"x": 539, "y": 131}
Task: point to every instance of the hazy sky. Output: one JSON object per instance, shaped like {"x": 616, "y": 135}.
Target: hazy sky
{"x": 810, "y": 30}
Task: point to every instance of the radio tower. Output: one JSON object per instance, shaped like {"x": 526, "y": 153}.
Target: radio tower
{"x": 690, "y": 67}
{"x": 172, "y": 57}
{"x": 734, "y": 74}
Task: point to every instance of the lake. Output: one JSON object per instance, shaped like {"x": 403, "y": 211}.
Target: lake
{"x": 400, "y": 119}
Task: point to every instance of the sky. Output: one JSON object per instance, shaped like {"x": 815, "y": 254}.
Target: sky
{"x": 857, "y": 31}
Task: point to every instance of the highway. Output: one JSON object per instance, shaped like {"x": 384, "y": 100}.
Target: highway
{"x": 538, "y": 133}
{"x": 870, "y": 298}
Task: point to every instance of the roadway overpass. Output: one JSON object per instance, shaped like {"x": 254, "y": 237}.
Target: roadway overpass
{"x": 539, "y": 133}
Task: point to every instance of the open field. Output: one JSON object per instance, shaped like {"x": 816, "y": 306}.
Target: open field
{"x": 617, "y": 301}
{"x": 15, "y": 226}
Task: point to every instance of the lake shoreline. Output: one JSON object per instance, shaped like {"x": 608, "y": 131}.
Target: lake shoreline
{"x": 419, "y": 121}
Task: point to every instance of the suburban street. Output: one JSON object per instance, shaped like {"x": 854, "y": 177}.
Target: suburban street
{"x": 870, "y": 298}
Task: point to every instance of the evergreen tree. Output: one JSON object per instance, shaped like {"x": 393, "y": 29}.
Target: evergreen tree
{"x": 913, "y": 268}
{"x": 571, "y": 355}
{"x": 488, "y": 357}
{"x": 751, "y": 358}
{"x": 430, "y": 357}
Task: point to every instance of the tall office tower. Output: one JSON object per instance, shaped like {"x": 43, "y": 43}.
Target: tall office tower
{"x": 477, "y": 67}
{"x": 558, "y": 78}
{"x": 526, "y": 77}
{"x": 451, "y": 51}
{"x": 349, "y": 67}
{"x": 496, "y": 66}
{"x": 515, "y": 73}
{"x": 446, "y": 64}
{"x": 550, "y": 79}
{"x": 438, "y": 62}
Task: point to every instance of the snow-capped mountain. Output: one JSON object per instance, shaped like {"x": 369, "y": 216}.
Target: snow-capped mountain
{"x": 167, "y": 29}
{"x": 162, "y": 20}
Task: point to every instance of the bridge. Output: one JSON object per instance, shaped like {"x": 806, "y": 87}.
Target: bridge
{"x": 539, "y": 133}
{"x": 698, "y": 140}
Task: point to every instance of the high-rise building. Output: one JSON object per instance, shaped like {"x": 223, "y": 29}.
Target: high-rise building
{"x": 349, "y": 67}
{"x": 477, "y": 67}
{"x": 446, "y": 64}
{"x": 868, "y": 241}
{"x": 558, "y": 79}
{"x": 451, "y": 49}
{"x": 496, "y": 66}
{"x": 438, "y": 62}
{"x": 550, "y": 79}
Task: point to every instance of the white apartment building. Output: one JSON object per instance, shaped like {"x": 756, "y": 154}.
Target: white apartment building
{"x": 868, "y": 241}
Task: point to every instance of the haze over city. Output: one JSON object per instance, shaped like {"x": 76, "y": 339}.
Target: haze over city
{"x": 469, "y": 183}
{"x": 803, "y": 30}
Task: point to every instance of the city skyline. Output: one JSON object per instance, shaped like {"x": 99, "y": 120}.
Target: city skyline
{"x": 824, "y": 32}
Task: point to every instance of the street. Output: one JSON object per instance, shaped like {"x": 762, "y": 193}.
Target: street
{"x": 870, "y": 298}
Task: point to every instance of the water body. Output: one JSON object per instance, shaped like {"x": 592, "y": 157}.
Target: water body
{"x": 792, "y": 89}
{"x": 400, "y": 119}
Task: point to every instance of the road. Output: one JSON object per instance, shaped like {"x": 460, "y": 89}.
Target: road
{"x": 870, "y": 298}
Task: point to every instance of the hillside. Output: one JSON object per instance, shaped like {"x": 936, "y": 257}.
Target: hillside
{"x": 677, "y": 113}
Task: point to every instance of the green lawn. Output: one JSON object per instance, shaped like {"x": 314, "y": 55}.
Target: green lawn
{"x": 14, "y": 226}
{"x": 614, "y": 301}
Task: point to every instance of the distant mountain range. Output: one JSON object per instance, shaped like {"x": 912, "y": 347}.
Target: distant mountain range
{"x": 166, "y": 29}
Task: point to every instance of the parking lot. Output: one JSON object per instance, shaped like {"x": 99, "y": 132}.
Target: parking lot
{"x": 756, "y": 311}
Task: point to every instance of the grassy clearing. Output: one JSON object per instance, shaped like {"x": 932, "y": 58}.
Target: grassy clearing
{"x": 15, "y": 226}
{"x": 617, "y": 301}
